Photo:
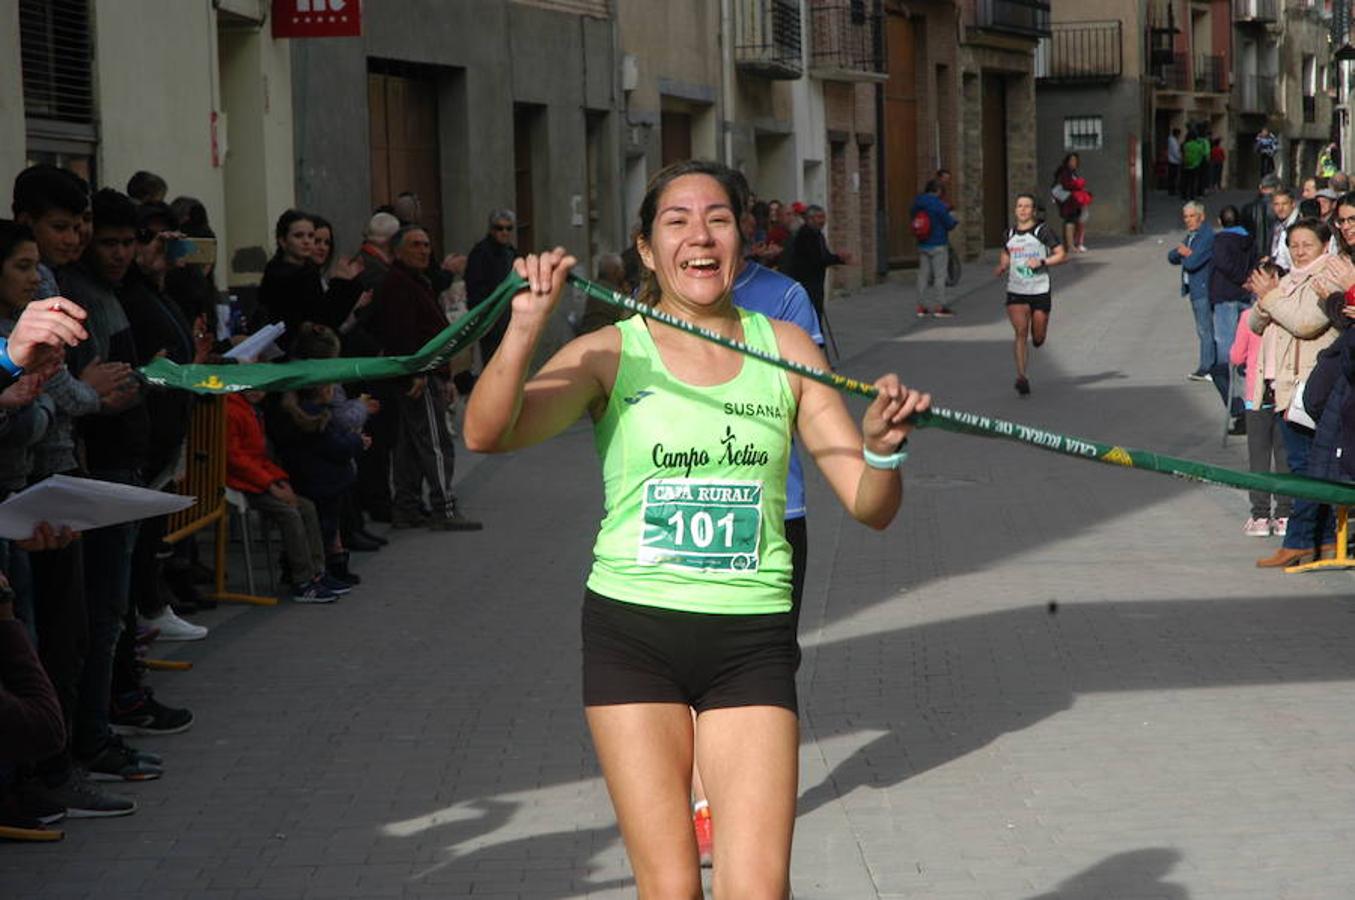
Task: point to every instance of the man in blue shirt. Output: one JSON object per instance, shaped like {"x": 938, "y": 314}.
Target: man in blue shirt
{"x": 933, "y": 246}
{"x": 1195, "y": 256}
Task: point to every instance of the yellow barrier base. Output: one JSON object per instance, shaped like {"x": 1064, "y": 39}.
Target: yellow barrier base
{"x": 231, "y": 597}
{"x": 1342, "y": 560}
{"x": 168, "y": 665}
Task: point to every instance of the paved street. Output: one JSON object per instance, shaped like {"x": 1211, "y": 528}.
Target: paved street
{"x": 1180, "y": 728}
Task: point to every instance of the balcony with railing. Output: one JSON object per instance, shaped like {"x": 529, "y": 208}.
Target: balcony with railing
{"x": 846, "y": 40}
{"x": 1080, "y": 52}
{"x": 1029, "y": 18}
{"x": 1255, "y": 94}
{"x": 1210, "y": 74}
{"x": 1171, "y": 71}
{"x": 1309, "y": 109}
{"x": 1260, "y": 12}
{"x": 767, "y": 38}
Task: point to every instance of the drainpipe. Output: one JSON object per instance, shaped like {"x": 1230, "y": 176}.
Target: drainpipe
{"x": 727, "y": 78}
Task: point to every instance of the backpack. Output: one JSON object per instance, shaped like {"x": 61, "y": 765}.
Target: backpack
{"x": 922, "y": 225}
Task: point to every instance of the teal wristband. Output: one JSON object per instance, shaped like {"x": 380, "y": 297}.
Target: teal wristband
{"x": 6, "y": 363}
{"x": 877, "y": 461}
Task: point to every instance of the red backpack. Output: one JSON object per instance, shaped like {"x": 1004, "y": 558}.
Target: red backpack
{"x": 922, "y": 225}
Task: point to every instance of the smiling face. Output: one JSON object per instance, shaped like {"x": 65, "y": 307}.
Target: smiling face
{"x": 1304, "y": 246}
{"x": 1345, "y": 222}
{"x": 19, "y": 277}
{"x": 693, "y": 247}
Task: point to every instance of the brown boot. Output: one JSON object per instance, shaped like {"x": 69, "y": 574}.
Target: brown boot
{"x": 1284, "y": 557}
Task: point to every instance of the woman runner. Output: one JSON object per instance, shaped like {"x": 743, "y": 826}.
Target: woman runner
{"x": 688, "y": 602}
{"x": 1031, "y": 248}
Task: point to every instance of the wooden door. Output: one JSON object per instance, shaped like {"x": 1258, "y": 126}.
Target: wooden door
{"x": 675, "y": 132}
{"x": 994, "y": 159}
{"x": 403, "y": 137}
{"x": 900, "y": 138}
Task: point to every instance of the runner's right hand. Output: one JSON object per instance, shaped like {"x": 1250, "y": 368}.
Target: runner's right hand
{"x": 545, "y": 274}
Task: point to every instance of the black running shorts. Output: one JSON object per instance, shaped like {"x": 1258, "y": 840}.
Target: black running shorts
{"x": 1037, "y": 302}
{"x": 644, "y": 654}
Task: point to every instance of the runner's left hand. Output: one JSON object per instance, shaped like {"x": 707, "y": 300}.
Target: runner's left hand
{"x": 885, "y": 425}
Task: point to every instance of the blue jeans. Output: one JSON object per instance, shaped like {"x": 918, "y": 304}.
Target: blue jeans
{"x": 1225, "y": 316}
{"x": 1204, "y": 330}
{"x": 108, "y": 576}
{"x": 1309, "y": 520}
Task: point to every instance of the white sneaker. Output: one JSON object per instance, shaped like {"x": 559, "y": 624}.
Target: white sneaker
{"x": 1257, "y": 528}
{"x": 172, "y": 628}
{"x": 1279, "y": 526}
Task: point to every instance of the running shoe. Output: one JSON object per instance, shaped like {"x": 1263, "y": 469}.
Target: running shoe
{"x": 1023, "y": 386}
{"x": 140, "y": 713}
{"x": 1257, "y": 528}
{"x": 1081, "y": 248}
{"x": 944, "y": 312}
{"x": 118, "y": 762}
{"x": 31, "y": 796}
{"x": 922, "y": 312}
{"x": 1199, "y": 375}
{"x": 173, "y": 628}
{"x": 336, "y": 586}
{"x": 1279, "y": 526}
{"x": 313, "y": 592}
{"x": 705, "y": 836}
{"x": 83, "y": 800}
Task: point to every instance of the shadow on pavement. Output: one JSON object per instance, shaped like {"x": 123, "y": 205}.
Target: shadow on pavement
{"x": 962, "y": 683}
{"x": 1138, "y": 873}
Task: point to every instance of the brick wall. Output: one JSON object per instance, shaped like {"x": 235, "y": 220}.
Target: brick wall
{"x": 849, "y": 116}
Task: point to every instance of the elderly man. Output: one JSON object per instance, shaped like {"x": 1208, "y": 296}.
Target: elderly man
{"x": 489, "y": 263}
{"x": 406, "y": 316}
{"x": 808, "y": 258}
{"x": 1195, "y": 256}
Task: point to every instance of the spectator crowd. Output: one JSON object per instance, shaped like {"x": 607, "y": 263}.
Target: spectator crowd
{"x": 1271, "y": 287}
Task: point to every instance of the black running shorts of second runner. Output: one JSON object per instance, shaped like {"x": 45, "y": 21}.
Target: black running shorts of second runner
{"x": 1037, "y": 302}
{"x": 643, "y": 654}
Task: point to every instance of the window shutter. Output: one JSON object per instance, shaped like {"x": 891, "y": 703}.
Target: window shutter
{"x": 54, "y": 41}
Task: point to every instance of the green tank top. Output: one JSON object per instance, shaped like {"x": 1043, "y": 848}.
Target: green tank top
{"x": 695, "y": 483}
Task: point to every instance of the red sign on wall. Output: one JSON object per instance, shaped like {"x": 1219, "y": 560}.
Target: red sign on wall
{"x": 317, "y": 18}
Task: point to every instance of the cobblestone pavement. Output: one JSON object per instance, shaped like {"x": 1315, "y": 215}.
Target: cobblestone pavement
{"x": 1180, "y": 727}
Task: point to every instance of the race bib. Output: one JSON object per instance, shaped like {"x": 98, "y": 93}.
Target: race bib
{"x": 702, "y": 525}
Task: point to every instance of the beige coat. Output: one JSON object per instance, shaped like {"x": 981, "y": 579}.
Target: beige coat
{"x": 1302, "y": 329}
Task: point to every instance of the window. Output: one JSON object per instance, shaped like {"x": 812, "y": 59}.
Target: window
{"x": 58, "y": 87}
{"x": 1082, "y": 133}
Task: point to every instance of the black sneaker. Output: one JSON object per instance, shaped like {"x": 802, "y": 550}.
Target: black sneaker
{"x": 140, "y": 713}
{"x": 455, "y": 522}
{"x": 1239, "y": 426}
{"x": 944, "y": 312}
{"x": 336, "y": 586}
{"x": 313, "y": 591}
{"x": 82, "y": 800}
{"x": 1023, "y": 386}
{"x": 118, "y": 762}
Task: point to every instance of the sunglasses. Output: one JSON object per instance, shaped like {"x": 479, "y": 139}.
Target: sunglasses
{"x": 503, "y": 228}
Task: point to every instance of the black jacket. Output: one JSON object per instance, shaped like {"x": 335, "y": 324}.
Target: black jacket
{"x": 1234, "y": 259}
{"x": 158, "y": 323}
{"x": 808, "y": 260}
{"x": 488, "y": 265}
{"x": 290, "y": 294}
{"x": 1258, "y": 219}
{"x": 1329, "y": 397}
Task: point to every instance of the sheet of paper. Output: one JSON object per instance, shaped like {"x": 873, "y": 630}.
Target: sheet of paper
{"x": 82, "y": 504}
{"x": 259, "y": 345}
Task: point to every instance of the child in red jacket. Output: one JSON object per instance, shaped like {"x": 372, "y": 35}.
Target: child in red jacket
{"x": 269, "y": 491}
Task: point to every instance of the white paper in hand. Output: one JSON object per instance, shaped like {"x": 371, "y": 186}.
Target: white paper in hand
{"x": 81, "y": 504}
